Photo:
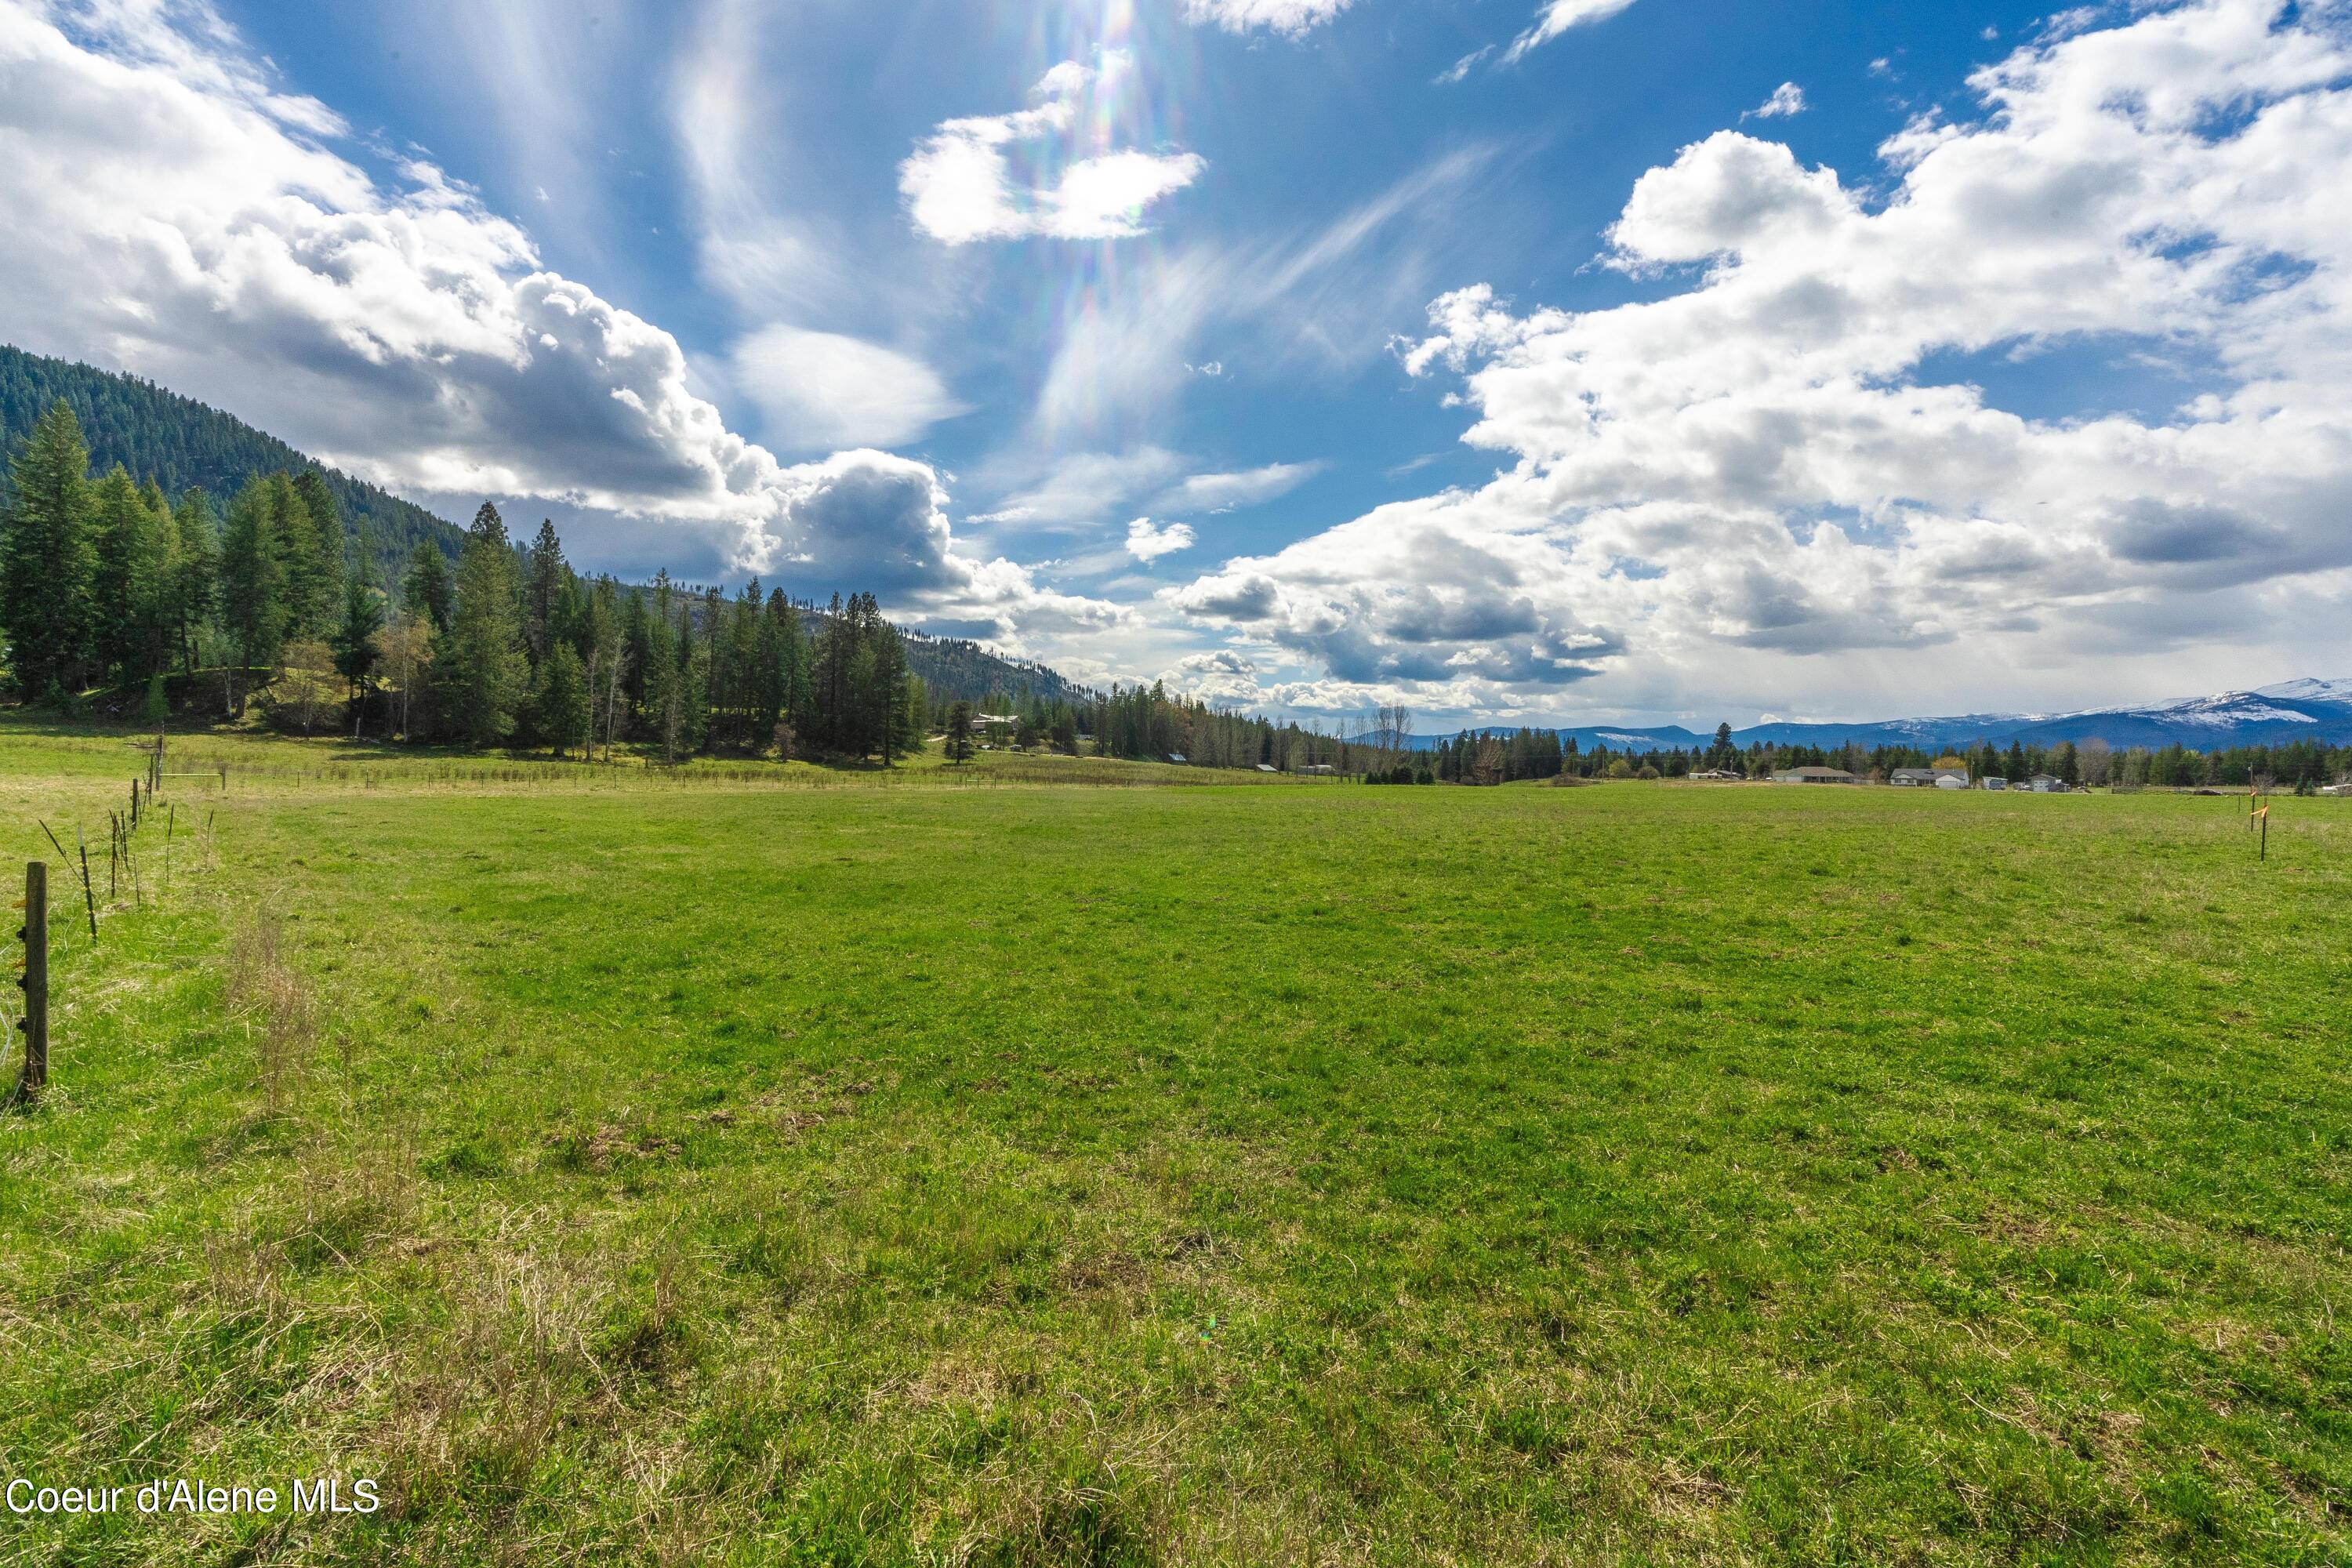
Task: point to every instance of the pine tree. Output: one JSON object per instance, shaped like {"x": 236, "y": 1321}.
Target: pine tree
{"x": 829, "y": 685}
{"x": 425, "y": 587}
{"x": 355, "y": 646}
{"x": 600, "y": 628}
{"x": 194, "y": 573}
{"x": 45, "y": 558}
{"x": 543, "y": 596}
{"x": 562, "y": 701}
{"x": 254, "y": 611}
{"x": 959, "y": 742}
{"x": 658, "y": 658}
{"x": 127, "y": 556}
{"x": 914, "y": 711}
{"x": 310, "y": 538}
{"x": 693, "y": 683}
{"x": 483, "y": 676}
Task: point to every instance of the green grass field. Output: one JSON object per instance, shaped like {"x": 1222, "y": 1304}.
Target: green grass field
{"x": 732, "y": 1170}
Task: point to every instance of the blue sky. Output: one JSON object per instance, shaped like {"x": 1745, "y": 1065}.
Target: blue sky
{"x": 1305, "y": 354}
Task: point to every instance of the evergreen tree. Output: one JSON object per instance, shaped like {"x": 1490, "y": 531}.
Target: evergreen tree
{"x": 127, "y": 576}
{"x": 600, "y": 632}
{"x": 482, "y": 674}
{"x": 543, "y": 599}
{"x": 959, "y": 742}
{"x": 311, "y": 544}
{"x": 914, "y": 711}
{"x": 45, "y": 558}
{"x": 195, "y": 573}
{"x": 254, "y": 611}
{"x": 658, "y": 660}
{"x": 355, "y": 648}
{"x": 693, "y": 684}
{"x": 424, "y": 589}
{"x": 562, "y": 699}
{"x": 829, "y": 684}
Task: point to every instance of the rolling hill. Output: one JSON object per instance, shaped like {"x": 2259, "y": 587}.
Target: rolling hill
{"x": 178, "y": 442}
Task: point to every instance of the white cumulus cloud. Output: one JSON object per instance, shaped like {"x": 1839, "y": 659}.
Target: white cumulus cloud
{"x": 1287, "y": 16}
{"x": 1787, "y": 99}
{"x": 1047, "y": 170}
{"x": 1785, "y": 455}
{"x": 1146, "y": 542}
{"x": 1223, "y": 678}
{"x": 165, "y": 208}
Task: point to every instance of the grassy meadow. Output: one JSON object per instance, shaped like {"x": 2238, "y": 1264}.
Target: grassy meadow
{"x": 763, "y": 1165}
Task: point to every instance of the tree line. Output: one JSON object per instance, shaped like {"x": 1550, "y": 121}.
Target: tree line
{"x": 1503, "y": 756}
{"x": 106, "y": 584}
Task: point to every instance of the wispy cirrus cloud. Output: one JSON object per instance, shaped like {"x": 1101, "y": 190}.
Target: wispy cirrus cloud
{"x": 1557, "y": 18}
{"x": 1228, "y": 491}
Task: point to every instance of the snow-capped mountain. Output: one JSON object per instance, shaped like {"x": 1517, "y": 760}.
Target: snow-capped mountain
{"x": 2291, "y": 711}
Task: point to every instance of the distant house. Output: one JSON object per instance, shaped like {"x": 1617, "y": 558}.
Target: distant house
{"x": 1717, "y": 775}
{"x": 1951, "y": 781}
{"x": 1316, "y": 768}
{"x": 2045, "y": 783}
{"x": 1176, "y": 757}
{"x": 1927, "y": 778}
{"x": 1267, "y": 768}
{"x": 1814, "y": 776}
{"x": 1992, "y": 782}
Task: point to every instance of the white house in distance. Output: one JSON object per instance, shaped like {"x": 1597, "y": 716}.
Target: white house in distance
{"x": 1927, "y": 778}
{"x": 1951, "y": 781}
{"x": 1814, "y": 776}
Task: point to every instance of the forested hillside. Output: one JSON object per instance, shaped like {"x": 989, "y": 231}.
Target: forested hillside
{"x": 178, "y": 442}
{"x": 959, "y": 667}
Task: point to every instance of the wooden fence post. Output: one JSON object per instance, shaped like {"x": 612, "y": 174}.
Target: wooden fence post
{"x": 35, "y": 982}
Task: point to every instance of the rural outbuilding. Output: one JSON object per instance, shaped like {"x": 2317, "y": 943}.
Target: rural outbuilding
{"x": 1951, "y": 781}
{"x": 1814, "y": 776}
{"x": 1927, "y": 778}
{"x": 2046, "y": 784}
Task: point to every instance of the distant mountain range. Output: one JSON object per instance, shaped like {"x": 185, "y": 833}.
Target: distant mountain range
{"x": 2274, "y": 715}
